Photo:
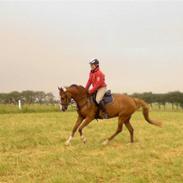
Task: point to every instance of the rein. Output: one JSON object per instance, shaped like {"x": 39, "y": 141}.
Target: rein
{"x": 78, "y": 99}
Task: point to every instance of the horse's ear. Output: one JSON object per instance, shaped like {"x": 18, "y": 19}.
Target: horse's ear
{"x": 60, "y": 89}
{"x": 64, "y": 89}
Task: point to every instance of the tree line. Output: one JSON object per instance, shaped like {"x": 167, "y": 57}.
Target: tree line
{"x": 27, "y": 97}
{"x": 174, "y": 98}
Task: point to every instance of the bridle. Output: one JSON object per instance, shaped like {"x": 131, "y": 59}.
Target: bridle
{"x": 79, "y": 102}
{"x": 65, "y": 104}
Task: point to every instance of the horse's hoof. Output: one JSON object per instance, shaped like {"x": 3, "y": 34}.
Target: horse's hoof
{"x": 83, "y": 139}
{"x": 67, "y": 143}
{"x": 105, "y": 142}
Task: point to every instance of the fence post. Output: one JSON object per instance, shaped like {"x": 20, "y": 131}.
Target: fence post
{"x": 19, "y": 105}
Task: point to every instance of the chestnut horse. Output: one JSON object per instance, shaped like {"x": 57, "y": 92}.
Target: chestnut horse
{"x": 122, "y": 107}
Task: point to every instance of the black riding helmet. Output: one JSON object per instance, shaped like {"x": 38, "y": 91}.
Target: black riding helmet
{"x": 94, "y": 61}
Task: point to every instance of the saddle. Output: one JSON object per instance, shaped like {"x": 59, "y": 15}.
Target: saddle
{"x": 106, "y": 99}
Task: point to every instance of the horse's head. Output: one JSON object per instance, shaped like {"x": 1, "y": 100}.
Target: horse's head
{"x": 74, "y": 91}
{"x": 65, "y": 98}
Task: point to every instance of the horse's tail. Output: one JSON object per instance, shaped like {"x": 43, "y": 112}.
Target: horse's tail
{"x": 145, "y": 108}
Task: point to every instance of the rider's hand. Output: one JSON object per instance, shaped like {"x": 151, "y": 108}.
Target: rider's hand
{"x": 89, "y": 93}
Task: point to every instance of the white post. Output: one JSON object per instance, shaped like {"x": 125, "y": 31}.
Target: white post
{"x": 19, "y": 105}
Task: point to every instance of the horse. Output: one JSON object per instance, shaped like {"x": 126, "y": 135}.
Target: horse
{"x": 122, "y": 106}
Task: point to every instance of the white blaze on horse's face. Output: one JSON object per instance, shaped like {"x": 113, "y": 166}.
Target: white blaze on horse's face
{"x": 65, "y": 98}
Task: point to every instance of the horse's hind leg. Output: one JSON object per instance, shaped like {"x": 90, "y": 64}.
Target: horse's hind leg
{"x": 121, "y": 120}
{"x": 130, "y": 129}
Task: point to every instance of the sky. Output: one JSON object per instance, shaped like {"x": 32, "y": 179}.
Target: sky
{"x": 46, "y": 44}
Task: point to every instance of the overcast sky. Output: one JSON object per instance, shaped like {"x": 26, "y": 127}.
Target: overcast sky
{"x": 46, "y": 44}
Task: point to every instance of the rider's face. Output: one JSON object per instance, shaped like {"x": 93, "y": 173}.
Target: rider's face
{"x": 93, "y": 66}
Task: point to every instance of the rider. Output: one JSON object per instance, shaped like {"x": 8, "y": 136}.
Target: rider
{"x": 97, "y": 80}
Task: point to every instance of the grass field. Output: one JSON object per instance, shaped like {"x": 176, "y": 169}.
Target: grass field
{"x": 38, "y": 108}
{"x": 31, "y": 108}
{"x": 32, "y": 150}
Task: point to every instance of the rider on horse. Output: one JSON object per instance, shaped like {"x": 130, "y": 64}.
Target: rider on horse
{"x": 97, "y": 80}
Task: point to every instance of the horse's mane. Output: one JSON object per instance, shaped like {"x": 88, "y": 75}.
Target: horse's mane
{"x": 74, "y": 85}
{"x": 78, "y": 86}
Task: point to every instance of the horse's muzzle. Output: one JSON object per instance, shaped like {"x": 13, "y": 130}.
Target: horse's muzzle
{"x": 64, "y": 108}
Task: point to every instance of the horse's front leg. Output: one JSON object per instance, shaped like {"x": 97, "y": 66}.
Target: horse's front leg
{"x": 77, "y": 124}
{"x": 84, "y": 124}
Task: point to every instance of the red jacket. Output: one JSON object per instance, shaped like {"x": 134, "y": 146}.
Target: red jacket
{"x": 96, "y": 79}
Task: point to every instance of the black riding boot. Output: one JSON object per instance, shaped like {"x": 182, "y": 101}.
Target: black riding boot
{"x": 102, "y": 107}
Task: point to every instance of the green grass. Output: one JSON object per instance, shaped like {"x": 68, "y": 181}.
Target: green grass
{"x": 32, "y": 150}
{"x": 30, "y": 108}
{"x": 11, "y": 108}
{"x": 39, "y": 108}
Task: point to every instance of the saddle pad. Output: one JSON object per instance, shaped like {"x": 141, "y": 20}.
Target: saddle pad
{"x": 107, "y": 97}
